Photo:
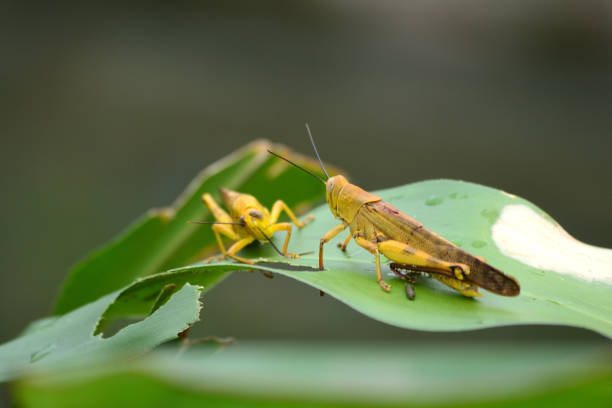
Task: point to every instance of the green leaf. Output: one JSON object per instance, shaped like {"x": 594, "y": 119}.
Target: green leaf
{"x": 143, "y": 295}
{"x": 162, "y": 239}
{"x": 68, "y": 341}
{"x": 297, "y": 375}
{"x": 464, "y": 213}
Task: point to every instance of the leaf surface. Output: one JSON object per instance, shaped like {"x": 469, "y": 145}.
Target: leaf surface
{"x": 69, "y": 341}
{"x": 465, "y": 214}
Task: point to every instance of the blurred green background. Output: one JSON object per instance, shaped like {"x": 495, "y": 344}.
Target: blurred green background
{"x": 107, "y": 111}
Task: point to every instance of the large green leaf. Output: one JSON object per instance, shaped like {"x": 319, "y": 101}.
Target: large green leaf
{"x": 68, "y": 341}
{"x": 298, "y": 375}
{"x": 162, "y": 239}
{"x": 465, "y": 214}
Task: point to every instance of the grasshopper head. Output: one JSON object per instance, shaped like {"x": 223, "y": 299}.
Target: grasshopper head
{"x": 257, "y": 222}
{"x": 345, "y": 199}
{"x": 332, "y": 192}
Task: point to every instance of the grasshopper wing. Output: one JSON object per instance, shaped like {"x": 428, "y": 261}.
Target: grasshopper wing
{"x": 398, "y": 226}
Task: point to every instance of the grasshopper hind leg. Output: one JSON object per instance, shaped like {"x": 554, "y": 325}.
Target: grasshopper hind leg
{"x": 405, "y": 254}
{"x": 451, "y": 274}
{"x": 373, "y": 249}
{"x": 409, "y": 273}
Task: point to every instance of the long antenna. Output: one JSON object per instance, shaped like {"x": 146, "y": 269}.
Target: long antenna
{"x": 299, "y": 167}
{"x": 271, "y": 242}
{"x": 276, "y": 248}
{"x": 315, "y": 149}
{"x": 215, "y": 222}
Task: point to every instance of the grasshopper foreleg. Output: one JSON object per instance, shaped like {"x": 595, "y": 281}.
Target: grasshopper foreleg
{"x": 283, "y": 226}
{"x": 329, "y": 235}
{"x": 218, "y": 231}
{"x": 280, "y": 206}
{"x": 237, "y": 247}
{"x": 343, "y": 245}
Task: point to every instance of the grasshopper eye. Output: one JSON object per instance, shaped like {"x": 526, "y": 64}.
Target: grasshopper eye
{"x": 256, "y": 214}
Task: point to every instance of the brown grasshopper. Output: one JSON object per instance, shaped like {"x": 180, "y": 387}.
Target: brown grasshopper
{"x": 248, "y": 221}
{"x": 380, "y": 228}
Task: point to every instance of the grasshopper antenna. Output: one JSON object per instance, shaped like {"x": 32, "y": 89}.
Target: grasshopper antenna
{"x": 271, "y": 242}
{"x": 299, "y": 167}
{"x": 276, "y": 248}
{"x": 315, "y": 149}
{"x": 215, "y": 222}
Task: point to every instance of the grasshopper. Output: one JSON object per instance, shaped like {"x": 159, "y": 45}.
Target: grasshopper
{"x": 380, "y": 228}
{"x": 246, "y": 222}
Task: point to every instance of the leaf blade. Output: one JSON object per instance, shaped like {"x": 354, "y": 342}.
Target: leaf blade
{"x": 546, "y": 297}
{"x": 68, "y": 341}
{"x": 162, "y": 239}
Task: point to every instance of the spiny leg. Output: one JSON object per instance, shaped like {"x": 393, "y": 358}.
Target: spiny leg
{"x": 405, "y": 254}
{"x": 283, "y": 226}
{"x": 328, "y": 235}
{"x": 373, "y": 248}
{"x": 217, "y": 212}
{"x": 279, "y": 206}
{"x": 343, "y": 245}
{"x": 221, "y": 216}
{"x": 237, "y": 247}
{"x": 228, "y": 232}
{"x": 465, "y": 288}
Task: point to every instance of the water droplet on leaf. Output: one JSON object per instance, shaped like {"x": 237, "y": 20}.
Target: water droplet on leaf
{"x": 478, "y": 244}
{"x": 433, "y": 200}
{"x": 490, "y": 215}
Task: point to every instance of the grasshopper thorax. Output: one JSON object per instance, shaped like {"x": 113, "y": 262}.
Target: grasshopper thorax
{"x": 247, "y": 212}
{"x": 345, "y": 199}
{"x": 333, "y": 186}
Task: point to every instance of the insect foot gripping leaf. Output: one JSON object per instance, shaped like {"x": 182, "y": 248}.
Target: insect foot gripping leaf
{"x": 382, "y": 229}
{"x": 68, "y": 341}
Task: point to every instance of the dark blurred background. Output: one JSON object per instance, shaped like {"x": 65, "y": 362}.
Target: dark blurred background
{"x": 107, "y": 111}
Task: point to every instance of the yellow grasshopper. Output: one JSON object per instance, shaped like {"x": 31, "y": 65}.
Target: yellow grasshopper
{"x": 246, "y": 222}
{"x": 380, "y": 228}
